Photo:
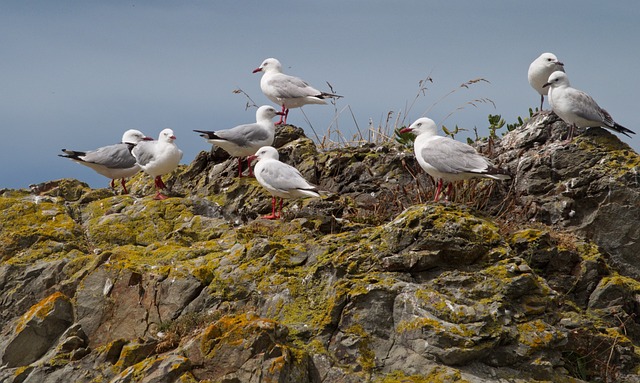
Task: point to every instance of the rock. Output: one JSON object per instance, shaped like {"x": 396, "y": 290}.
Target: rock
{"x": 38, "y": 330}
{"x": 247, "y": 348}
{"x": 588, "y": 186}
{"x": 529, "y": 280}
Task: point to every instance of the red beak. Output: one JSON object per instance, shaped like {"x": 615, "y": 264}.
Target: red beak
{"x": 405, "y": 130}
{"x": 145, "y": 138}
{"x": 279, "y": 113}
{"x": 257, "y": 70}
{"x": 173, "y": 137}
{"x": 250, "y": 159}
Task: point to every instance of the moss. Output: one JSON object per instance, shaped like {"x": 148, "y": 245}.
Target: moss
{"x": 459, "y": 334}
{"x": 366, "y": 356}
{"x": 439, "y": 374}
{"x": 620, "y": 280}
{"x": 589, "y": 251}
{"x": 39, "y": 229}
{"x": 537, "y": 335}
{"x": 188, "y": 377}
{"x": 134, "y": 356}
{"x": 232, "y": 330}
{"x": 618, "y": 159}
{"x": 526, "y": 236}
{"x": 78, "y": 261}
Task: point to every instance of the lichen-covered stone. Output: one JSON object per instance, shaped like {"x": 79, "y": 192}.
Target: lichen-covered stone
{"x": 528, "y": 280}
{"x": 37, "y": 331}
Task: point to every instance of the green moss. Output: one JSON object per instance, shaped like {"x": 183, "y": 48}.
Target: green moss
{"x": 36, "y": 229}
{"x": 618, "y": 159}
{"x": 527, "y": 236}
{"x": 439, "y": 374}
{"x": 233, "y": 330}
{"x": 537, "y": 335}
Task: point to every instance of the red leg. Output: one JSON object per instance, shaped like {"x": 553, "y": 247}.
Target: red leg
{"x": 449, "y": 190}
{"x": 273, "y": 210}
{"x": 159, "y": 186}
{"x": 159, "y": 183}
{"x": 283, "y": 117}
{"x": 113, "y": 185}
{"x": 124, "y": 186}
{"x": 250, "y": 168}
{"x": 438, "y": 189}
{"x": 239, "y": 167}
{"x": 281, "y": 200}
{"x": 286, "y": 114}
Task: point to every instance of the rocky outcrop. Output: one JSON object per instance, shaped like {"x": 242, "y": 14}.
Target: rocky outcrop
{"x": 530, "y": 280}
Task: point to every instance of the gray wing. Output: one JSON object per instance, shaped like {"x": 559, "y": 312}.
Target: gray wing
{"x": 143, "y": 152}
{"x": 244, "y": 135}
{"x": 116, "y": 156}
{"x": 584, "y": 106}
{"x": 292, "y": 87}
{"x": 284, "y": 177}
{"x": 451, "y": 156}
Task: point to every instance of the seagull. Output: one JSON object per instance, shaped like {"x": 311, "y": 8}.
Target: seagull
{"x": 446, "y": 159}
{"x": 540, "y": 70}
{"x": 157, "y": 158}
{"x": 280, "y": 179}
{"x": 113, "y": 161}
{"x": 288, "y": 91}
{"x": 245, "y": 140}
{"x": 577, "y": 108}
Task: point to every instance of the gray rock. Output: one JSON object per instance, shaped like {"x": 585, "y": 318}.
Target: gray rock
{"x": 38, "y": 331}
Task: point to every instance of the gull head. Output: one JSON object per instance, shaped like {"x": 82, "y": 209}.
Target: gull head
{"x": 269, "y": 65}
{"x": 133, "y": 136}
{"x": 420, "y": 126}
{"x": 549, "y": 60}
{"x": 267, "y": 112}
{"x": 166, "y": 135}
{"x": 265, "y": 152}
{"x": 557, "y": 79}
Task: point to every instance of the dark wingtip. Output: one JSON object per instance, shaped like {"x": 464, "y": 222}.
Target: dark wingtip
{"x": 206, "y": 134}
{"x": 324, "y": 95}
{"x": 622, "y": 129}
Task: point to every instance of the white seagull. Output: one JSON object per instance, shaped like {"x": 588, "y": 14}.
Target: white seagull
{"x": 540, "y": 70}
{"x": 288, "y": 91}
{"x": 245, "y": 140}
{"x": 113, "y": 161}
{"x": 577, "y": 108}
{"x": 280, "y": 179}
{"x": 157, "y": 158}
{"x": 446, "y": 159}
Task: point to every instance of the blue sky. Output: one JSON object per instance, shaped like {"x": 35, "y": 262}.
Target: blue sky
{"x": 77, "y": 74}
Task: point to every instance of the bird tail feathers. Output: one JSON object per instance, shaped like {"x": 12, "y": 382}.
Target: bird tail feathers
{"x": 207, "y": 134}
{"x": 72, "y": 154}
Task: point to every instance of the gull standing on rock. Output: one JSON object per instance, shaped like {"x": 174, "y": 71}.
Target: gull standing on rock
{"x": 446, "y": 159}
{"x": 540, "y": 70}
{"x": 288, "y": 91}
{"x": 280, "y": 179}
{"x": 577, "y": 108}
{"x": 245, "y": 140}
{"x": 113, "y": 161}
{"x": 157, "y": 158}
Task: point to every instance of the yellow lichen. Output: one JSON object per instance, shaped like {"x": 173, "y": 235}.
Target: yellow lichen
{"x": 41, "y": 309}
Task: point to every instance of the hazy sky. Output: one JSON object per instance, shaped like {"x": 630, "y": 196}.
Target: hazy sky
{"x": 77, "y": 74}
